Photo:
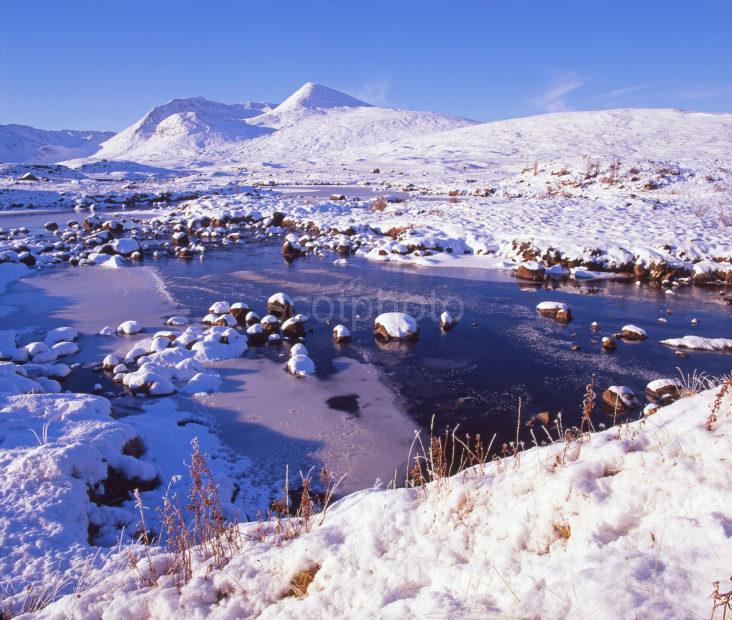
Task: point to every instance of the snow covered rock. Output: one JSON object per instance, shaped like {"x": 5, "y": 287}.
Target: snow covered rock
{"x": 62, "y": 349}
{"x": 256, "y": 335}
{"x": 341, "y": 334}
{"x": 61, "y": 334}
{"x": 633, "y": 332}
{"x": 294, "y": 327}
{"x": 298, "y": 349}
{"x": 396, "y": 326}
{"x": 619, "y": 398}
{"x": 109, "y": 362}
{"x": 281, "y": 306}
{"x": 301, "y": 366}
{"x": 447, "y": 321}
{"x": 608, "y": 344}
{"x": 126, "y": 246}
{"x": 177, "y": 321}
{"x": 663, "y": 389}
{"x": 555, "y": 310}
{"x": 219, "y": 307}
{"x": 239, "y": 311}
{"x": 531, "y": 271}
{"x": 129, "y": 328}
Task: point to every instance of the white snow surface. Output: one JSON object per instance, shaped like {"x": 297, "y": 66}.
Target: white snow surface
{"x": 605, "y": 534}
{"x": 700, "y": 343}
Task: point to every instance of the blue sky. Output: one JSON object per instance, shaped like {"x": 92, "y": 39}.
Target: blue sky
{"x": 101, "y": 64}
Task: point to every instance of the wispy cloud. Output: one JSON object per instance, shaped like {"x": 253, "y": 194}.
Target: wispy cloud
{"x": 554, "y": 98}
{"x": 375, "y": 92}
{"x": 619, "y": 92}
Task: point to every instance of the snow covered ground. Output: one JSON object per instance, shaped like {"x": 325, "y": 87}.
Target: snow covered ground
{"x": 574, "y": 529}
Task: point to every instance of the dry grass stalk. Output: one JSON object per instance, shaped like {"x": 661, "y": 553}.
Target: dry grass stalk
{"x": 721, "y": 601}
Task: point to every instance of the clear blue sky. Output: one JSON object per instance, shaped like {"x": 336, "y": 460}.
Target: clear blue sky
{"x": 101, "y": 64}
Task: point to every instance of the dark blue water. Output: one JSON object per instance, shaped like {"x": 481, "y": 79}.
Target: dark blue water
{"x": 500, "y": 352}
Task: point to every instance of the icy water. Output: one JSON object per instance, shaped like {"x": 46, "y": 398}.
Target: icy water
{"x": 501, "y": 349}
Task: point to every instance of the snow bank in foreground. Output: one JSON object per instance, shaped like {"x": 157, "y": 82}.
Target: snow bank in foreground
{"x": 603, "y": 531}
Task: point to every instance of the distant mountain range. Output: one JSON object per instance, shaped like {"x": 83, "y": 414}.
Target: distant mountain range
{"x": 318, "y": 128}
{"x": 21, "y": 143}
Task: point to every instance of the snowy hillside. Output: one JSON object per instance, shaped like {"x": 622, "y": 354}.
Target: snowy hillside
{"x": 21, "y": 143}
{"x": 314, "y": 124}
{"x": 623, "y": 134}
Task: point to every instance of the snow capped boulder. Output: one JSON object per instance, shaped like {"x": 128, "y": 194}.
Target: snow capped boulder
{"x": 531, "y": 271}
{"x": 176, "y": 321}
{"x": 219, "y": 343}
{"x": 225, "y": 320}
{"x": 291, "y": 249}
{"x": 109, "y": 262}
{"x": 126, "y": 246}
{"x": 294, "y": 327}
{"x": 62, "y": 349}
{"x": 251, "y": 318}
{"x": 447, "y": 321}
{"x": 396, "y": 326}
{"x": 107, "y": 330}
{"x": 256, "y": 335}
{"x": 61, "y": 334}
{"x": 301, "y": 366}
{"x": 609, "y": 344}
{"x": 239, "y": 311}
{"x": 129, "y": 328}
{"x": 40, "y": 352}
{"x": 109, "y": 362}
{"x": 281, "y": 306}
{"x": 219, "y": 307}
{"x": 298, "y": 349}
{"x": 663, "y": 389}
{"x": 619, "y": 398}
{"x": 180, "y": 238}
{"x": 270, "y": 323}
{"x": 152, "y": 378}
{"x": 555, "y": 310}
{"x": 633, "y": 332}
{"x": 341, "y": 334}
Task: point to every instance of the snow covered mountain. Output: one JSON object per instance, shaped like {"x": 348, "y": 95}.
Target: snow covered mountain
{"x": 21, "y": 143}
{"x": 315, "y": 124}
{"x": 319, "y": 130}
{"x": 182, "y": 129}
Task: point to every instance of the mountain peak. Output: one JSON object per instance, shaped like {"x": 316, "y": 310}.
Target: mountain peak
{"x": 311, "y": 95}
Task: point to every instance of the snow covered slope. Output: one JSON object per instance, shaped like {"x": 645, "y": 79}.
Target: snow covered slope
{"x": 590, "y": 529}
{"x": 21, "y": 143}
{"x": 623, "y": 134}
{"x": 314, "y": 124}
